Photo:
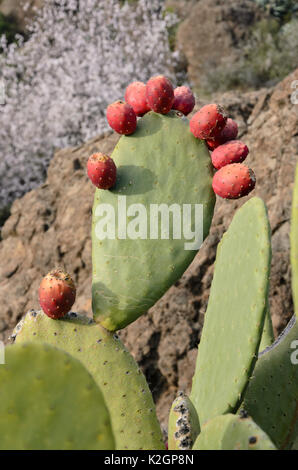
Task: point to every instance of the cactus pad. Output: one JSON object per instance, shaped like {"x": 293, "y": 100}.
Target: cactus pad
{"x": 48, "y": 401}
{"x": 122, "y": 383}
{"x": 230, "y": 432}
{"x": 161, "y": 163}
{"x": 268, "y": 335}
{"x": 184, "y": 424}
{"x": 272, "y": 396}
{"x": 235, "y": 315}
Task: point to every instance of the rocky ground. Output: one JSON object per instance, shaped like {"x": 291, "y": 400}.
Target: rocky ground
{"x": 51, "y": 226}
{"x": 213, "y": 33}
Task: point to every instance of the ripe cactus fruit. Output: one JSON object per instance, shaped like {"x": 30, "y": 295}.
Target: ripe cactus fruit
{"x": 135, "y": 95}
{"x": 160, "y": 94}
{"x": 208, "y": 122}
{"x": 233, "y": 181}
{"x": 229, "y": 132}
{"x": 148, "y": 164}
{"x": 184, "y": 100}
{"x": 230, "y": 432}
{"x": 116, "y": 373}
{"x": 234, "y": 151}
{"x": 102, "y": 171}
{"x": 122, "y": 118}
{"x": 234, "y": 322}
{"x": 57, "y": 293}
{"x": 184, "y": 424}
{"x": 50, "y": 402}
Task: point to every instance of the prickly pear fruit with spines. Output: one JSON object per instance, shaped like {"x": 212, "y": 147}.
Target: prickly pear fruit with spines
{"x": 229, "y": 132}
{"x": 231, "y": 432}
{"x": 184, "y": 100}
{"x": 122, "y": 118}
{"x": 102, "y": 171}
{"x": 50, "y": 402}
{"x": 159, "y": 166}
{"x": 234, "y": 151}
{"x": 208, "y": 122}
{"x": 233, "y": 181}
{"x": 135, "y": 95}
{"x": 122, "y": 383}
{"x": 184, "y": 424}
{"x": 57, "y": 293}
{"x": 235, "y": 315}
{"x": 160, "y": 94}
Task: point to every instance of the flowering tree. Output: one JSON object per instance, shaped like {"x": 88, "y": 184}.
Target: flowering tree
{"x": 80, "y": 56}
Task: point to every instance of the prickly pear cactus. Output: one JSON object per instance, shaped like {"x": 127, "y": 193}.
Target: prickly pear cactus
{"x": 184, "y": 424}
{"x": 268, "y": 335}
{"x": 272, "y": 396}
{"x": 122, "y": 383}
{"x": 235, "y": 315}
{"x": 230, "y": 432}
{"x": 161, "y": 163}
{"x": 49, "y": 401}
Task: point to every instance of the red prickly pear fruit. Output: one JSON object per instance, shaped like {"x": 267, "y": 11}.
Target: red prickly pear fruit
{"x": 122, "y": 118}
{"x": 234, "y": 151}
{"x": 160, "y": 94}
{"x": 184, "y": 100}
{"x": 233, "y": 181}
{"x": 135, "y": 95}
{"x": 229, "y": 132}
{"x": 208, "y": 122}
{"x": 57, "y": 294}
{"x": 102, "y": 171}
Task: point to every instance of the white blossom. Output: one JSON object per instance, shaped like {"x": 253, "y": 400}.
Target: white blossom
{"x": 80, "y": 56}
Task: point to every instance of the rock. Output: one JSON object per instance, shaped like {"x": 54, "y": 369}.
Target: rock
{"x": 51, "y": 226}
{"x": 214, "y": 34}
{"x": 181, "y": 8}
{"x": 21, "y": 10}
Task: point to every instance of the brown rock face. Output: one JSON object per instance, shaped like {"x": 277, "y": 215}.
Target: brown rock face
{"x": 22, "y": 10}
{"x": 214, "y": 33}
{"x": 51, "y": 226}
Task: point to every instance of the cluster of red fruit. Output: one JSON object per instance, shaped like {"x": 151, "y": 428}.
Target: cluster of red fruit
{"x": 157, "y": 95}
{"x": 231, "y": 181}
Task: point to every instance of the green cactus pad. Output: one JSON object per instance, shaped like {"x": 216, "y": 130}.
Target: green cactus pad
{"x": 230, "y": 432}
{"x": 122, "y": 383}
{"x": 184, "y": 424}
{"x": 235, "y": 315}
{"x": 272, "y": 396}
{"x": 49, "y": 401}
{"x": 161, "y": 163}
{"x": 294, "y": 243}
{"x": 268, "y": 335}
